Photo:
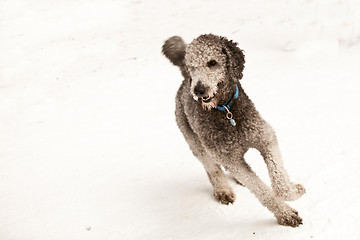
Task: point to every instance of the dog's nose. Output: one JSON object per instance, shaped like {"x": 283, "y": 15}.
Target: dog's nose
{"x": 199, "y": 89}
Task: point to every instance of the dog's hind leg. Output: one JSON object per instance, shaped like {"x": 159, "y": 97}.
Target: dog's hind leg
{"x": 284, "y": 214}
{"x": 280, "y": 180}
{"x": 222, "y": 190}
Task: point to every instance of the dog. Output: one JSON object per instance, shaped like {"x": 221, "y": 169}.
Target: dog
{"x": 220, "y": 123}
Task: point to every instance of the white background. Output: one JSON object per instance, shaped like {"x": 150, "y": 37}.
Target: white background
{"x": 89, "y": 148}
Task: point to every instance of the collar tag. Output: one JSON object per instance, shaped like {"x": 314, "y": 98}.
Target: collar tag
{"x": 229, "y": 116}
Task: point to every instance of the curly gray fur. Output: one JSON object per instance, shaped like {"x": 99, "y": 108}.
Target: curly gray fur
{"x": 212, "y": 67}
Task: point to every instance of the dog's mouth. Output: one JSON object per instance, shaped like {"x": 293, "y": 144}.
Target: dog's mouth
{"x": 207, "y": 99}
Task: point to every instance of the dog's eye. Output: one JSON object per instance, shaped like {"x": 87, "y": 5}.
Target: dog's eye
{"x": 211, "y": 63}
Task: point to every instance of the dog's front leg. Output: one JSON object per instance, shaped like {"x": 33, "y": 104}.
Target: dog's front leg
{"x": 280, "y": 181}
{"x": 222, "y": 190}
{"x": 284, "y": 214}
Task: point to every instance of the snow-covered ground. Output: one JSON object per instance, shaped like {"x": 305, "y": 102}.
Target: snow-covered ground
{"x": 89, "y": 148}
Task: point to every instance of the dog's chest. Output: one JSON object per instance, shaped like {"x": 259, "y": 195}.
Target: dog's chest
{"x": 215, "y": 131}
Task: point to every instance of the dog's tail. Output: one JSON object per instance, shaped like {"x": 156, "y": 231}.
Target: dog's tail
{"x": 174, "y": 50}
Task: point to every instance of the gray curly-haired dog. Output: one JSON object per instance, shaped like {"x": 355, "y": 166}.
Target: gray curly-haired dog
{"x": 220, "y": 123}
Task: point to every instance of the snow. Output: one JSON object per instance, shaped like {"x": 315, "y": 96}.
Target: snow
{"x": 89, "y": 145}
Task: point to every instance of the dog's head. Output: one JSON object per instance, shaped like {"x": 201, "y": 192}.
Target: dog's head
{"x": 214, "y": 65}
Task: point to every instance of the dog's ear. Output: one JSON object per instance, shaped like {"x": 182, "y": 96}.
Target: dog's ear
{"x": 235, "y": 59}
{"x": 174, "y": 50}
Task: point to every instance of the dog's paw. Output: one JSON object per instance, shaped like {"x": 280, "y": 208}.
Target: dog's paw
{"x": 225, "y": 196}
{"x": 290, "y": 217}
{"x": 294, "y": 192}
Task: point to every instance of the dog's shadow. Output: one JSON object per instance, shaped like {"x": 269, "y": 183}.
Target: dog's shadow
{"x": 180, "y": 202}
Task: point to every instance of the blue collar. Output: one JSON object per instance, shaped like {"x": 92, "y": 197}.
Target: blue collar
{"x": 227, "y": 103}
